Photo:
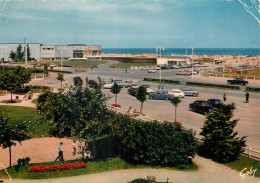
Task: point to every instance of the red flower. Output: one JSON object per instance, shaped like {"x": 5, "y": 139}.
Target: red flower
{"x": 176, "y": 122}
{"x": 116, "y": 105}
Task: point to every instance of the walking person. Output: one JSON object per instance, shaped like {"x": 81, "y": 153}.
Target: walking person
{"x": 80, "y": 146}
{"x": 74, "y": 147}
{"x": 60, "y": 156}
{"x": 224, "y": 97}
{"x": 247, "y": 97}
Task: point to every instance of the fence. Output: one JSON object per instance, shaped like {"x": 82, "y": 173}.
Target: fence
{"x": 232, "y": 76}
{"x": 251, "y": 153}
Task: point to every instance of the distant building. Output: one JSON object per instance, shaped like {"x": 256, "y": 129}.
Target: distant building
{"x": 174, "y": 60}
{"x": 52, "y": 53}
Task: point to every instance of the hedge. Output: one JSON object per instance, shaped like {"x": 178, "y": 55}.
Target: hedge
{"x": 252, "y": 89}
{"x": 69, "y": 72}
{"x": 213, "y": 85}
{"x": 154, "y": 143}
{"x": 162, "y": 80}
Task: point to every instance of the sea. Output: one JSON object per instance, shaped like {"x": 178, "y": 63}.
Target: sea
{"x": 183, "y": 51}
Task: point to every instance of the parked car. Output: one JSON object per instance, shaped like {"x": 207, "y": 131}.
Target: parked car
{"x": 151, "y": 71}
{"x": 52, "y": 65}
{"x": 175, "y": 66}
{"x": 177, "y": 93}
{"x": 161, "y": 94}
{"x": 201, "y": 106}
{"x": 134, "y": 89}
{"x": 38, "y": 65}
{"x": 108, "y": 85}
{"x": 215, "y": 103}
{"x": 190, "y": 91}
{"x": 81, "y": 69}
{"x": 12, "y": 62}
{"x": 239, "y": 81}
{"x": 180, "y": 72}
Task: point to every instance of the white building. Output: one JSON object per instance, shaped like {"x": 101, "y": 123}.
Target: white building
{"x": 52, "y": 53}
{"x": 174, "y": 60}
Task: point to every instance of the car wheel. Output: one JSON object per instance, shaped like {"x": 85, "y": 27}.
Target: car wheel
{"x": 166, "y": 98}
{"x": 151, "y": 97}
{"x": 205, "y": 112}
{"x": 186, "y": 74}
{"x": 195, "y": 95}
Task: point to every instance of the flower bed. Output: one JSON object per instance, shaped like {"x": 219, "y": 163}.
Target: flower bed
{"x": 116, "y": 105}
{"x": 55, "y": 168}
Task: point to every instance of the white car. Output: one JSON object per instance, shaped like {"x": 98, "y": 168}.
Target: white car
{"x": 152, "y": 71}
{"x": 108, "y": 85}
{"x": 177, "y": 93}
{"x": 53, "y": 65}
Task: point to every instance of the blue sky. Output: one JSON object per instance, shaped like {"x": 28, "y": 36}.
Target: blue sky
{"x": 130, "y": 23}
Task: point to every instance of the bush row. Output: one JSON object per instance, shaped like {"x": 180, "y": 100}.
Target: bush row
{"x": 163, "y": 80}
{"x": 154, "y": 143}
{"x": 252, "y": 89}
{"x": 214, "y": 85}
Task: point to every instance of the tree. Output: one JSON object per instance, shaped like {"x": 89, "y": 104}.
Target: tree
{"x": 175, "y": 101}
{"x": 12, "y": 55}
{"x": 141, "y": 96}
{"x": 80, "y": 112}
{"x": 10, "y": 134}
{"x": 13, "y": 80}
{"x": 46, "y": 72}
{"x": 220, "y": 142}
{"x": 19, "y": 53}
{"x": 115, "y": 89}
{"x": 77, "y": 81}
{"x": 60, "y": 78}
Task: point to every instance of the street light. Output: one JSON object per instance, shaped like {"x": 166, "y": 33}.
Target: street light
{"x": 160, "y": 48}
{"x": 60, "y": 48}
{"x": 192, "y": 48}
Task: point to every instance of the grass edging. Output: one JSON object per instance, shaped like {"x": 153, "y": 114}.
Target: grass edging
{"x": 91, "y": 167}
{"x": 245, "y": 162}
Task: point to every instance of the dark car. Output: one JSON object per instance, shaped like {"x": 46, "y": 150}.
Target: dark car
{"x": 239, "y": 81}
{"x": 201, "y": 106}
{"x": 215, "y": 103}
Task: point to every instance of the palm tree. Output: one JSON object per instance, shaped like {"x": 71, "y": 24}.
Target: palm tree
{"x": 115, "y": 89}
{"x": 175, "y": 101}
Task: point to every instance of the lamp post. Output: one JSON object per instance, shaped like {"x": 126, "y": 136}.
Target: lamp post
{"x": 160, "y": 48}
{"x": 60, "y": 48}
{"x": 192, "y": 48}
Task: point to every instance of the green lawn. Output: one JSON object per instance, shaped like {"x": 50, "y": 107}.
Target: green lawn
{"x": 127, "y": 65}
{"x": 91, "y": 167}
{"x": 245, "y": 162}
{"x": 76, "y": 63}
{"x": 19, "y": 114}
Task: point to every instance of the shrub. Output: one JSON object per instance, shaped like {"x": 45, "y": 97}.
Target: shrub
{"x": 154, "y": 143}
{"x": 23, "y": 161}
{"x": 139, "y": 181}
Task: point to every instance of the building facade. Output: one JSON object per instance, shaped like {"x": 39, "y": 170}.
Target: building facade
{"x": 174, "y": 60}
{"x": 52, "y": 53}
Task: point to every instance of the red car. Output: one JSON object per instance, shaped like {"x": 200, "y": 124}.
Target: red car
{"x": 81, "y": 69}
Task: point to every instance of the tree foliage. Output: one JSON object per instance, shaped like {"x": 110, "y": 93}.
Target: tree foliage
{"x": 115, "y": 89}
{"x": 14, "y": 79}
{"x": 78, "y": 112}
{"x": 78, "y": 82}
{"x": 11, "y": 134}
{"x": 220, "y": 142}
{"x": 154, "y": 143}
{"x": 141, "y": 96}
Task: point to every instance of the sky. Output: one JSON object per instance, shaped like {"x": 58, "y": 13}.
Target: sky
{"x": 130, "y": 23}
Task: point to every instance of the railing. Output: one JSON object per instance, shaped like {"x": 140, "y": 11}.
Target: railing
{"x": 251, "y": 153}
